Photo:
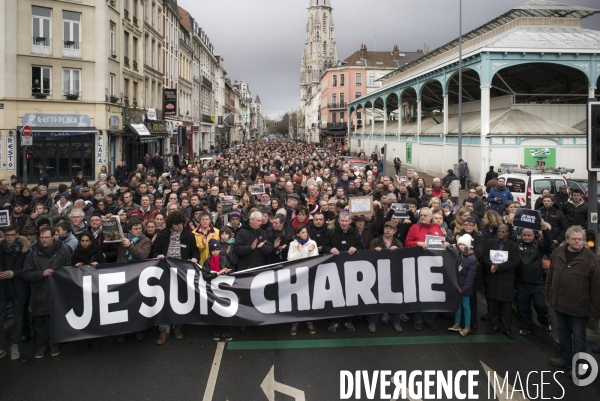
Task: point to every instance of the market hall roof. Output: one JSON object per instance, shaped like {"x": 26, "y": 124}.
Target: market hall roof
{"x": 489, "y": 32}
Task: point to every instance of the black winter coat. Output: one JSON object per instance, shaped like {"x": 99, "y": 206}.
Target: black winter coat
{"x": 286, "y": 236}
{"x": 342, "y": 241}
{"x": 557, "y": 220}
{"x": 466, "y": 275}
{"x": 529, "y": 270}
{"x": 21, "y": 286}
{"x": 208, "y": 274}
{"x": 110, "y": 250}
{"x": 189, "y": 249}
{"x": 317, "y": 234}
{"x": 576, "y": 214}
{"x": 56, "y": 256}
{"x": 501, "y": 284}
{"x": 249, "y": 258}
{"x": 87, "y": 258}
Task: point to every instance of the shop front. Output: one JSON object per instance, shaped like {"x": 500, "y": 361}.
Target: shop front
{"x": 63, "y": 145}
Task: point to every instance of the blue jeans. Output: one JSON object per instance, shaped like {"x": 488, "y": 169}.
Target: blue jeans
{"x": 394, "y": 318}
{"x": 18, "y": 320}
{"x": 419, "y": 316}
{"x": 465, "y": 306}
{"x": 167, "y": 327}
{"x": 567, "y": 326}
{"x": 526, "y": 293}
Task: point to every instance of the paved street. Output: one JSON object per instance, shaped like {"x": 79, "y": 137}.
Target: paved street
{"x": 308, "y": 363}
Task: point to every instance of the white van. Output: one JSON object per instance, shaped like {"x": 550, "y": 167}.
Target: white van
{"x": 527, "y": 184}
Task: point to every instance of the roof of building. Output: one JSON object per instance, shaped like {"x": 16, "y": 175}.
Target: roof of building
{"x": 185, "y": 19}
{"x": 257, "y": 99}
{"x": 381, "y": 59}
{"x": 532, "y": 8}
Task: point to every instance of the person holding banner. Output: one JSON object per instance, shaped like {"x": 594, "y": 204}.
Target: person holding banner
{"x": 500, "y": 286}
{"x": 175, "y": 241}
{"x": 46, "y": 256}
{"x": 214, "y": 266}
{"x": 300, "y": 248}
{"x": 204, "y": 233}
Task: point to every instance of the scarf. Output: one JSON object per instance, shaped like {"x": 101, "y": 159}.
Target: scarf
{"x": 215, "y": 263}
{"x": 174, "y": 250}
{"x": 133, "y": 240}
{"x": 50, "y": 250}
{"x": 61, "y": 209}
{"x": 499, "y": 188}
{"x": 301, "y": 241}
{"x": 14, "y": 249}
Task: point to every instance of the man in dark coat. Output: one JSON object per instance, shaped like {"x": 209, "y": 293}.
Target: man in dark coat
{"x": 7, "y": 197}
{"x": 46, "y": 256}
{"x": 500, "y": 286}
{"x": 44, "y": 178}
{"x": 109, "y": 250}
{"x": 555, "y": 218}
{"x": 317, "y": 230}
{"x": 252, "y": 245}
{"x": 122, "y": 172}
{"x": 576, "y": 210}
{"x": 280, "y": 235}
{"x": 157, "y": 162}
{"x": 13, "y": 250}
{"x": 489, "y": 175}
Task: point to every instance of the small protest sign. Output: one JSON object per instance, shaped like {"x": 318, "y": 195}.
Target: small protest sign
{"x": 112, "y": 230}
{"x": 4, "y": 218}
{"x": 360, "y": 205}
{"x": 227, "y": 203}
{"x": 528, "y": 219}
{"x": 257, "y": 189}
{"x": 401, "y": 210}
{"x": 498, "y": 257}
{"x": 434, "y": 243}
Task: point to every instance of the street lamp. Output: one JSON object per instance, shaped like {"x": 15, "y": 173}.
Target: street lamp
{"x": 460, "y": 80}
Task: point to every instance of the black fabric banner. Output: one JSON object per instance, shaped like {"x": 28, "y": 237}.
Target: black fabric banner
{"x": 125, "y": 298}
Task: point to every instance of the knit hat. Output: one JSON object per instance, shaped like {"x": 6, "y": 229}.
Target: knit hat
{"x": 466, "y": 239}
{"x": 41, "y": 222}
{"x": 235, "y": 215}
{"x": 446, "y": 204}
{"x": 214, "y": 245}
{"x": 65, "y": 194}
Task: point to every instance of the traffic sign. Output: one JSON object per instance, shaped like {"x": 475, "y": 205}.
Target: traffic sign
{"x": 26, "y": 140}
{"x": 26, "y": 130}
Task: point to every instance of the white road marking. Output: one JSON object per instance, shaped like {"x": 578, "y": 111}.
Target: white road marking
{"x": 214, "y": 372}
{"x": 270, "y": 386}
{"x": 504, "y": 393}
{"x": 403, "y": 386}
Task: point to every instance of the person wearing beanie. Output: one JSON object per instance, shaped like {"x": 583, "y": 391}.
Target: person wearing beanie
{"x": 214, "y": 266}
{"x": 61, "y": 209}
{"x": 467, "y": 268}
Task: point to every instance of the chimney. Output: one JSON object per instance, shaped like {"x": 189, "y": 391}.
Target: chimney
{"x": 396, "y": 53}
{"x": 363, "y": 51}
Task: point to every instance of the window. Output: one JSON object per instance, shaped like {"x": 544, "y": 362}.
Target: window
{"x": 134, "y": 8}
{"x": 111, "y": 85}
{"x": 334, "y": 81}
{"x": 324, "y": 23}
{"x": 357, "y": 95}
{"x": 333, "y": 117}
{"x": 71, "y": 82}
{"x": 41, "y": 79}
{"x": 113, "y": 28}
{"x": 334, "y": 99}
{"x": 135, "y": 92}
{"x": 40, "y": 30}
{"x": 126, "y": 91}
{"x": 342, "y": 98}
{"x": 134, "y": 49}
{"x": 341, "y": 116}
{"x": 515, "y": 185}
{"x": 158, "y": 19}
{"x": 358, "y": 115}
{"x": 341, "y": 79}
{"x": 126, "y": 48}
{"x": 324, "y": 48}
{"x": 358, "y": 79}
{"x": 371, "y": 79}
{"x": 71, "y": 34}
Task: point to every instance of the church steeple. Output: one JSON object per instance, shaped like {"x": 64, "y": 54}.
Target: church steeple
{"x": 320, "y": 50}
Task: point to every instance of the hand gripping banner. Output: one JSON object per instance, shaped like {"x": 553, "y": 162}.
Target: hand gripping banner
{"x": 124, "y": 298}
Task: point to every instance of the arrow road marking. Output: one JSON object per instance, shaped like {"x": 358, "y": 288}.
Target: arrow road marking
{"x": 214, "y": 373}
{"x": 270, "y": 386}
{"x": 503, "y": 392}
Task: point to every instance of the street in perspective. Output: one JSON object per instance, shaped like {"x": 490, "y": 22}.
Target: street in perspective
{"x": 413, "y": 217}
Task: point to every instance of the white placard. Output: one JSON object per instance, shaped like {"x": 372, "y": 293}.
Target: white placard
{"x": 10, "y": 152}
{"x": 359, "y": 205}
{"x": 257, "y": 189}
{"x": 434, "y": 243}
{"x": 151, "y": 114}
{"x": 26, "y": 141}
{"x": 498, "y": 257}
{"x": 100, "y": 149}
{"x": 4, "y": 218}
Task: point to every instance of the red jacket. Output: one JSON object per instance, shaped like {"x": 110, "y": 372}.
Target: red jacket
{"x": 419, "y": 231}
{"x": 437, "y": 193}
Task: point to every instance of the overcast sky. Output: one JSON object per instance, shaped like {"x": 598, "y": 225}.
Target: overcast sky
{"x": 262, "y": 40}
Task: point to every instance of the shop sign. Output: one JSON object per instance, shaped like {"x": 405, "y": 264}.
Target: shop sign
{"x": 57, "y": 120}
{"x": 133, "y": 116}
{"x": 540, "y": 157}
{"x": 100, "y": 149}
{"x": 10, "y": 152}
{"x": 113, "y": 122}
{"x": 152, "y": 114}
{"x": 170, "y": 102}
{"x": 158, "y": 126}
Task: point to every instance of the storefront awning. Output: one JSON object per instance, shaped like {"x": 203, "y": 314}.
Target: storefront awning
{"x": 140, "y": 129}
{"x": 58, "y": 132}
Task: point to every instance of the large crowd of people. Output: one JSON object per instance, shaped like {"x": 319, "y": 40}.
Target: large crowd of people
{"x": 177, "y": 210}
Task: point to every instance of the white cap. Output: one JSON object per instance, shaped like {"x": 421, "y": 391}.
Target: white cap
{"x": 466, "y": 239}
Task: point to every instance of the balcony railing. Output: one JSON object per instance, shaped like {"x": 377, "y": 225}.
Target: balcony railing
{"x": 206, "y": 119}
{"x": 126, "y": 14}
{"x": 40, "y": 45}
{"x": 206, "y": 82}
{"x": 135, "y": 66}
{"x": 135, "y": 21}
{"x": 72, "y": 95}
{"x": 335, "y": 126}
{"x": 340, "y": 105}
{"x": 41, "y": 94}
{"x": 113, "y": 53}
{"x": 126, "y": 100}
{"x": 71, "y": 49}
{"x": 126, "y": 61}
